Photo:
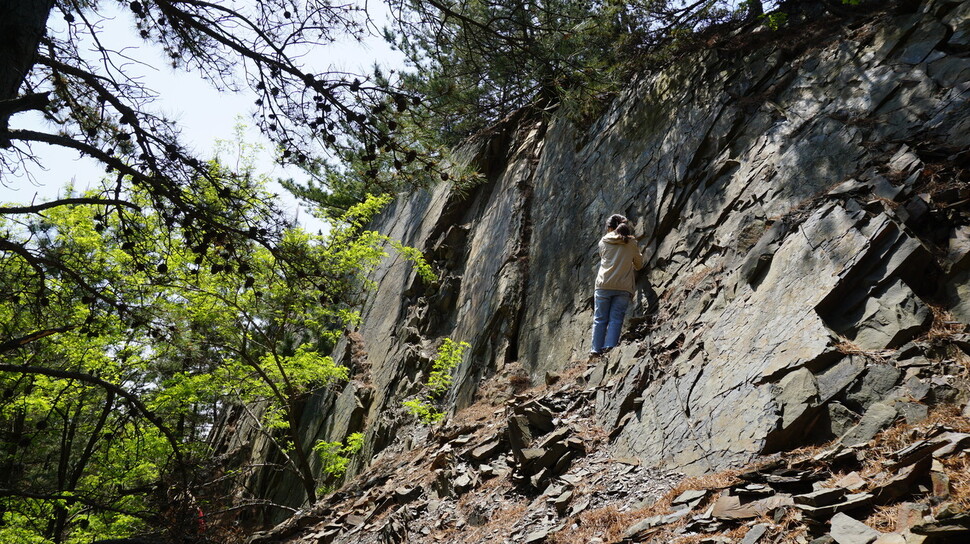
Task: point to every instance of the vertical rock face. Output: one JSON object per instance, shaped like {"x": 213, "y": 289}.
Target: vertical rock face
{"x": 804, "y": 215}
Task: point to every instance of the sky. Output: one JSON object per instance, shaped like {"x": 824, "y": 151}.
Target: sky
{"x": 204, "y": 114}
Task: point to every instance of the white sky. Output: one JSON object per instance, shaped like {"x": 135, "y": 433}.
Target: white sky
{"x": 204, "y": 114}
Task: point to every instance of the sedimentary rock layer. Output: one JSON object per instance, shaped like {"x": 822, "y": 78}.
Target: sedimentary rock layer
{"x": 804, "y": 213}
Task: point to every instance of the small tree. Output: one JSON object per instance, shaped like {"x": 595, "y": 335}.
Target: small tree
{"x": 439, "y": 382}
{"x": 335, "y": 457}
{"x": 139, "y": 356}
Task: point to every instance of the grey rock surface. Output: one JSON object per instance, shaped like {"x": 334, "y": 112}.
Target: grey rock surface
{"x": 878, "y": 381}
{"x": 450, "y": 492}
{"x": 791, "y": 239}
{"x": 891, "y": 318}
{"x": 752, "y": 273}
{"x": 847, "y": 530}
{"x": 877, "y": 417}
{"x": 754, "y": 534}
{"x": 840, "y": 419}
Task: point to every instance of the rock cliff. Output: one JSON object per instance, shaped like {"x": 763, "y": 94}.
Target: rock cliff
{"x": 804, "y": 209}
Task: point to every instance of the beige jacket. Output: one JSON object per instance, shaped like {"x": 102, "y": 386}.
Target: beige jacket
{"x": 619, "y": 260}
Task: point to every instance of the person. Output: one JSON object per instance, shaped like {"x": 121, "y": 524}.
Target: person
{"x": 620, "y": 258}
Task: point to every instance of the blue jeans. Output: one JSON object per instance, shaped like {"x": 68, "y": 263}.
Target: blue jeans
{"x": 609, "y": 310}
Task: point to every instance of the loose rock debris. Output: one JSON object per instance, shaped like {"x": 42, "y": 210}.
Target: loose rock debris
{"x": 545, "y": 475}
{"x": 809, "y": 282}
{"x": 519, "y": 483}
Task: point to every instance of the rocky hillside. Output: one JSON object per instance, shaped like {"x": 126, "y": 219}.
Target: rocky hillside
{"x": 537, "y": 468}
{"x": 805, "y": 212}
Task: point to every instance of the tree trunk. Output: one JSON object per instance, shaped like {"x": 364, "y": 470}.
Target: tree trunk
{"x": 755, "y": 9}
{"x": 22, "y": 25}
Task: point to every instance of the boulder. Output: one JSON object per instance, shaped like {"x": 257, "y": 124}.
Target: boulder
{"x": 519, "y": 433}
{"x": 852, "y": 501}
{"x": 875, "y": 386}
{"x": 836, "y": 378}
{"x": 840, "y": 418}
{"x": 958, "y": 295}
{"x": 689, "y": 497}
{"x": 797, "y": 392}
{"x": 911, "y": 412}
{"x": 535, "y": 537}
{"x": 754, "y": 534}
{"x": 891, "y": 318}
{"x": 730, "y": 507}
{"x": 847, "y": 530}
{"x": 821, "y": 497}
{"x": 877, "y": 417}
{"x": 486, "y": 451}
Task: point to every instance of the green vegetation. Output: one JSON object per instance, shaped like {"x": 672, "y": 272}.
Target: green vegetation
{"x": 439, "y": 381}
{"x": 475, "y": 63}
{"x": 334, "y": 456}
{"x": 449, "y": 356}
{"x": 478, "y": 62}
{"x": 775, "y": 20}
{"x": 127, "y": 348}
{"x": 424, "y": 411}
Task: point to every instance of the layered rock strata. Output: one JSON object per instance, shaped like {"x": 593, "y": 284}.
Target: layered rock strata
{"x": 531, "y": 467}
{"x": 805, "y": 215}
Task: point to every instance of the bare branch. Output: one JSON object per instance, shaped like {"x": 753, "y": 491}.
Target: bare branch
{"x": 16, "y": 343}
{"x": 72, "y": 497}
{"x": 66, "y": 202}
{"x": 27, "y": 102}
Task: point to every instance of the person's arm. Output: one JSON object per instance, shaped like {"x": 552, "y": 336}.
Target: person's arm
{"x": 637, "y": 255}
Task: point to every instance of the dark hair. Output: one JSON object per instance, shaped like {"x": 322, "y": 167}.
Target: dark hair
{"x": 618, "y": 224}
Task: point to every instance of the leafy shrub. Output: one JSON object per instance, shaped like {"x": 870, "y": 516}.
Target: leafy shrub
{"x": 336, "y": 456}
{"x": 439, "y": 381}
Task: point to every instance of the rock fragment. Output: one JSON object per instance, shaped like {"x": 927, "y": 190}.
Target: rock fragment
{"x": 847, "y": 530}
{"x": 754, "y": 534}
{"x": 821, "y": 497}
